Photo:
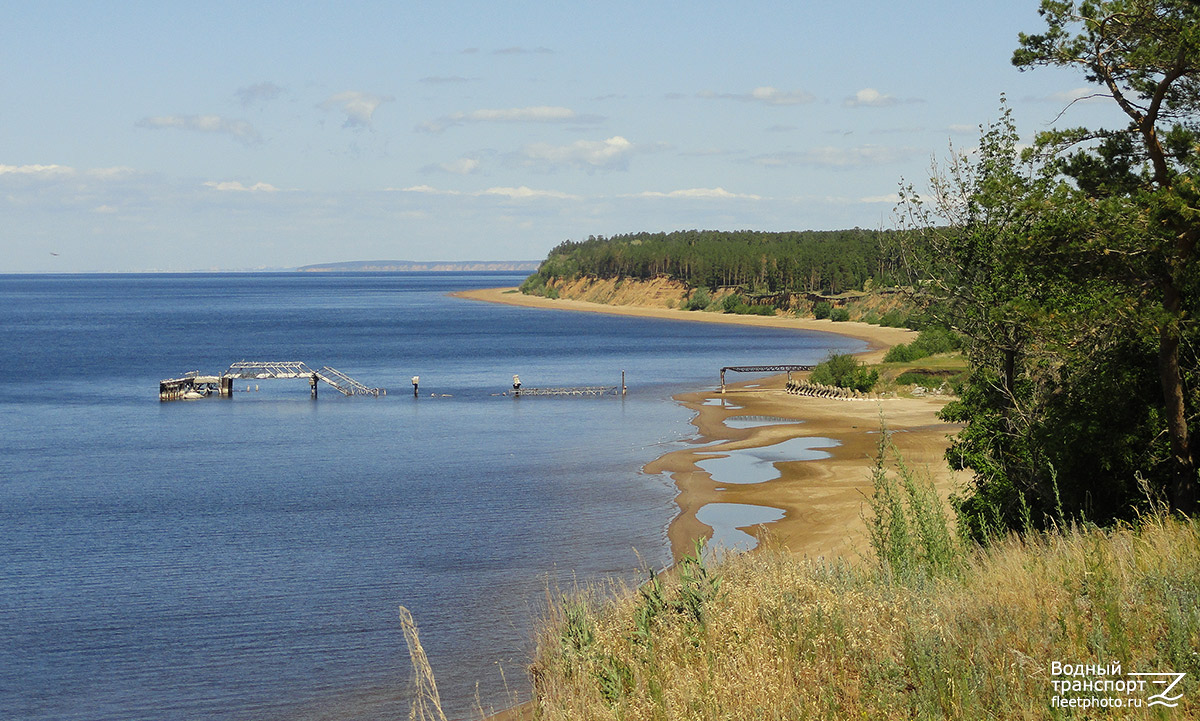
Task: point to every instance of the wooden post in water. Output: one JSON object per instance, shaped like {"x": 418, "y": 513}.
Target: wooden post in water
{"x": 312, "y": 382}
{"x": 722, "y": 380}
{"x": 623, "y": 389}
{"x": 226, "y": 387}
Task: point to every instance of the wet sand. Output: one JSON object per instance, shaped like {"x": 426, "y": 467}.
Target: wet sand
{"x": 823, "y": 500}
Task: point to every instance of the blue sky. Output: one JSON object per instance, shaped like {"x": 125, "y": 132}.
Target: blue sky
{"x": 190, "y": 136}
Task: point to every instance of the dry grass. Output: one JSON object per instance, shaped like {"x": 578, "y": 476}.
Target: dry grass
{"x": 426, "y": 703}
{"x": 971, "y": 635}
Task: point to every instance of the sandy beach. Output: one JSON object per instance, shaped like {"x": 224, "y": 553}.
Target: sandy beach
{"x": 822, "y": 499}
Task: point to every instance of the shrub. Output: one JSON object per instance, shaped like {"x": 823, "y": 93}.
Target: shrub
{"x": 844, "y": 371}
{"x": 902, "y": 353}
{"x": 821, "y": 310}
{"x": 931, "y": 341}
{"x": 534, "y": 285}
{"x": 893, "y": 319}
{"x": 699, "y": 300}
{"x": 839, "y": 315}
{"x": 731, "y": 302}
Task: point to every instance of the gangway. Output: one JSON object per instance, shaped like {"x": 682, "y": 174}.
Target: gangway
{"x": 788, "y": 368}
{"x": 344, "y": 384}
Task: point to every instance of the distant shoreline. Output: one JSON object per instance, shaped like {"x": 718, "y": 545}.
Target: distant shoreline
{"x": 821, "y": 499}
{"x": 412, "y": 266}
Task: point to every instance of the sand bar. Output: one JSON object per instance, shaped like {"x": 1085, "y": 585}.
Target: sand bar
{"x": 822, "y": 500}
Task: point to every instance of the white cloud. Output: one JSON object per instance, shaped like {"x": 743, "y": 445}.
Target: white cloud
{"x": 520, "y": 193}
{"x": 235, "y": 186}
{"x": 694, "y": 193}
{"x": 833, "y": 157}
{"x": 425, "y": 189}
{"x": 870, "y": 97}
{"x": 963, "y": 129}
{"x": 359, "y": 107}
{"x": 765, "y": 94}
{"x": 41, "y": 171}
{"x": 104, "y": 209}
{"x": 461, "y": 166}
{"x": 531, "y": 114}
{"x": 890, "y": 198}
{"x": 65, "y": 171}
{"x": 539, "y": 113}
{"x": 239, "y": 129}
{"x": 525, "y": 193}
{"x": 610, "y": 154}
{"x": 113, "y": 173}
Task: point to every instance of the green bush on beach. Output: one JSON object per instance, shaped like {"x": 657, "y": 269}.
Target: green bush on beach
{"x": 844, "y": 371}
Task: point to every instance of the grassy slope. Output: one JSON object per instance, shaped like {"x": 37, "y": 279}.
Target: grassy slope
{"x": 970, "y": 635}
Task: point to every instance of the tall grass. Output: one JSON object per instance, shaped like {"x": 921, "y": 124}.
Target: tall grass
{"x": 927, "y": 627}
{"x": 426, "y": 702}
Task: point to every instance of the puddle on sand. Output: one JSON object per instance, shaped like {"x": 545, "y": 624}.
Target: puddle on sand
{"x": 721, "y": 402}
{"x": 757, "y": 465}
{"x": 744, "y": 422}
{"x": 725, "y": 518}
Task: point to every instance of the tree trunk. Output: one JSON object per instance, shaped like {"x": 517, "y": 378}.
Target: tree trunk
{"x": 1183, "y": 487}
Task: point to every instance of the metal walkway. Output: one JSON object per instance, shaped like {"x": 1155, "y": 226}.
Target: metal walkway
{"x": 784, "y": 368}
{"x": 344, "y": 384}
{"x": 581, "y": 391}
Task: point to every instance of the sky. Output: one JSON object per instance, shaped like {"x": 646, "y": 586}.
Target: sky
{"x": 173, "y": 136}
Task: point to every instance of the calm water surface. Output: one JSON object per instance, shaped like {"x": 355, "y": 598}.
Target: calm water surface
{"x": 243, "y": 558}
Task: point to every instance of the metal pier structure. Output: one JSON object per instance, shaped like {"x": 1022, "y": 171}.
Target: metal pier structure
{"x": 194, "y": 385}
{"x": 786, "y": 368}
{"x": 344, "y": 384}
{"x": 581, "y": 391}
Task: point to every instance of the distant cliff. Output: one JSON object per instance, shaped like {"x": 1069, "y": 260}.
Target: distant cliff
{"x": 408, "y": 266}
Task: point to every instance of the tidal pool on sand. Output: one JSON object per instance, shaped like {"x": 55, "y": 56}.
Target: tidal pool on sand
{"x": 757, "y": 465}
{"x": 726, "y": 519}
{"x": 745, "y": 422}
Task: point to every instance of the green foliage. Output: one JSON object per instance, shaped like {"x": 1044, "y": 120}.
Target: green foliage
{"x": 808, "y": 261}
{"x": 577, "y": 631}
{"x": 1144, "y": 182}
{"x": 930, "y": 342}
{"x": 821, "y": 310}
{"x": 894, "y": 319}
{"x": 735, "y": 303}
{"x": 1096, "y": 420}
{"x": 908, "y": 528}
{"x": 839, "y": 315}
{"x": 698, "y": 300}
{"x": 931, "y": 380}
{"x": 844, "y": 371}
